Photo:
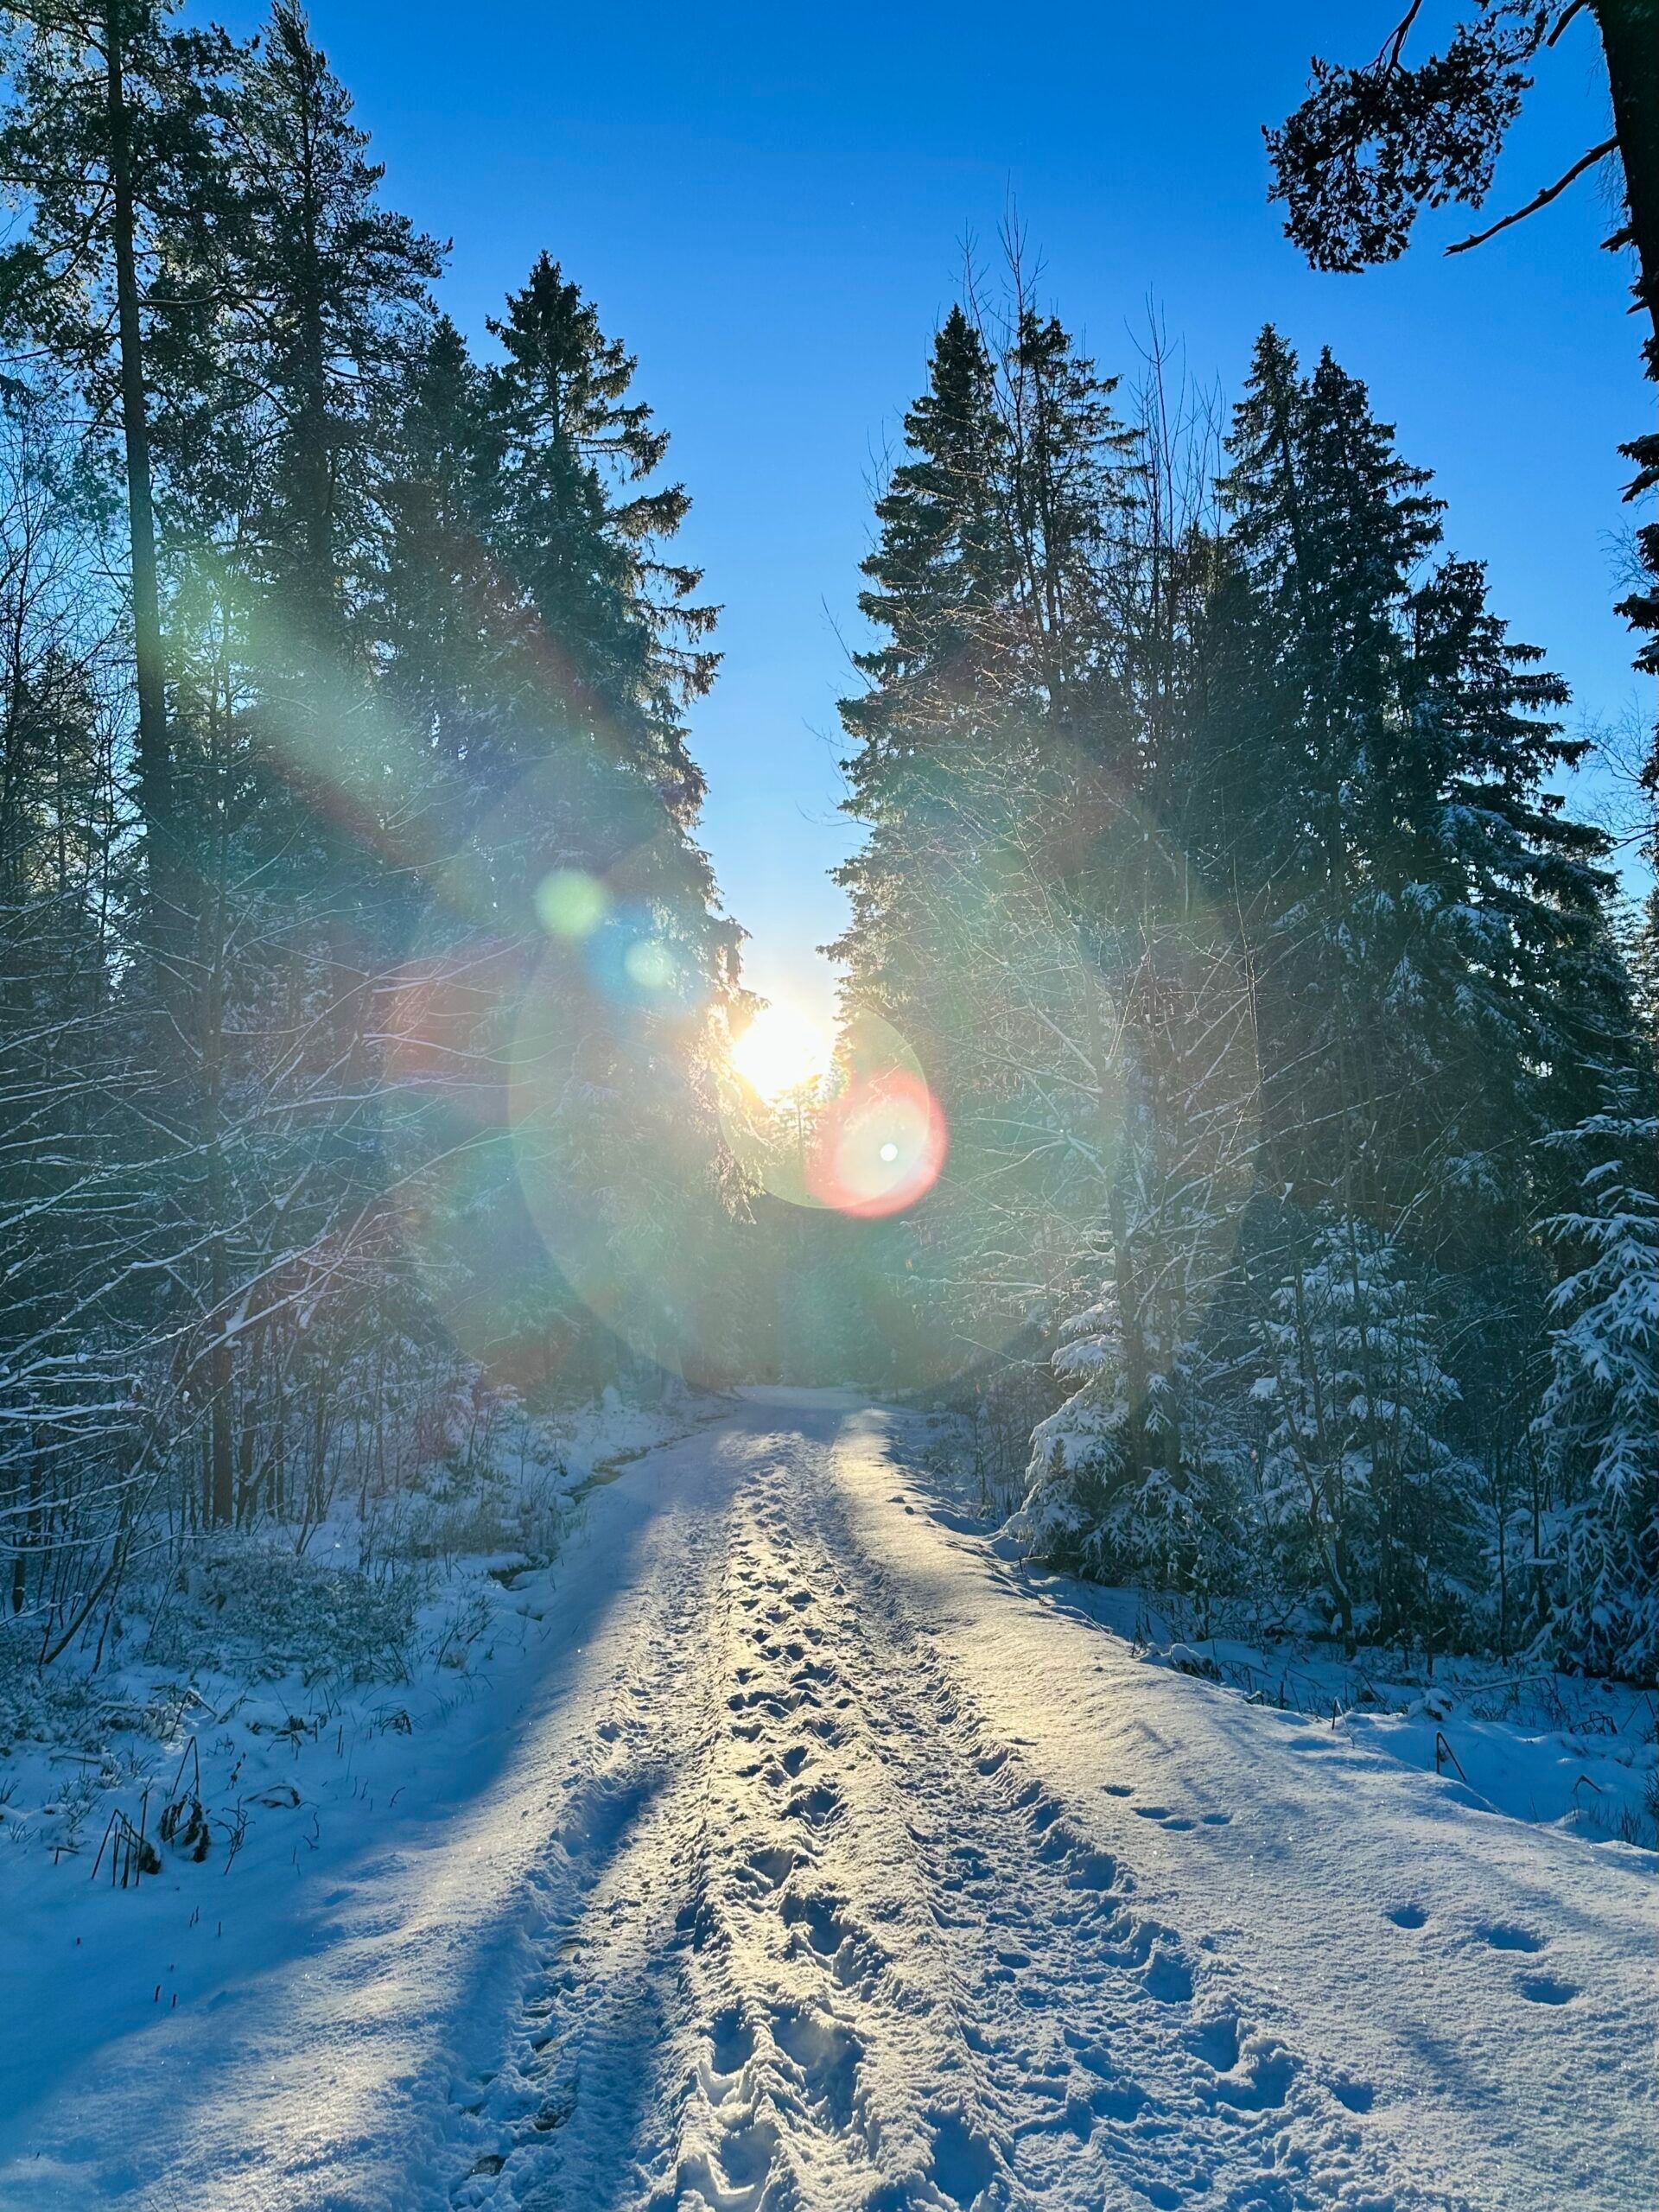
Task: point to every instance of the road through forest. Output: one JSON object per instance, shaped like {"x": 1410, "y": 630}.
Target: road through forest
{"x": 828, "y": 1860}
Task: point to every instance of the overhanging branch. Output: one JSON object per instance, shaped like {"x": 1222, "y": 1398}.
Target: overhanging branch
{"x": 1541, "y": 199}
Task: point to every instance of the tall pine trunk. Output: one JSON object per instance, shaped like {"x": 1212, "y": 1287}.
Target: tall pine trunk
{"x": 155, "y": 762}
{"x": 1629, "y": 41}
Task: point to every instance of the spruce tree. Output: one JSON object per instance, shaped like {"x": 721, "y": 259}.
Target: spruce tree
{"x": 1433, "y": 923}
{"x": 329, "y": 283}
{"x": 940, "y": 576}
{"x": 586, "y": 544}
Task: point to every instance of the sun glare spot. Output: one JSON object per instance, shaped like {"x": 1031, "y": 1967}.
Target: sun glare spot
{"x": 650, "y": 964}
{"x": 570, "y": 902}
{"x": 779, "y": 1049}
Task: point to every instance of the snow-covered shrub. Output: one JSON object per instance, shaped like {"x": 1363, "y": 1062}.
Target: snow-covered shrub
{"x": 1368, "y": 1504}
{"x": 476, "y": 1513}
{"x": 258, "y": 1609}
{"x": 1154, "y": 1500}
{"x": 1599, "y": 1426}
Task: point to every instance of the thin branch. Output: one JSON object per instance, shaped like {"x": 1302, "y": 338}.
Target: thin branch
{"x": 1542, "y": 199}
{"x": 1564, "y": 19}
{"x": 1394, "y": 46}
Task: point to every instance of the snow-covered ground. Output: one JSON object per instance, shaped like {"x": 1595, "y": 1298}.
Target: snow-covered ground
{"x": 795, "y": 1849}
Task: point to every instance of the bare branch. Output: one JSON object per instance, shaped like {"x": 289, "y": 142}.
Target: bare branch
{"x": 1543, "y": 199}
{"x": 1576, "y": 8}
{"x": 1394, "y": 47}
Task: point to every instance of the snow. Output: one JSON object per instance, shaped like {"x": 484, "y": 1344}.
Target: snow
{"x": 787, "y": 1843}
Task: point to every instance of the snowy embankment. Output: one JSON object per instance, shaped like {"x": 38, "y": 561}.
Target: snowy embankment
{"x": 260, "y": 1715}
{"x": 1568, "y": 1750}
{"x": 805, "y": 1855}
{"x": 1556, "y": 1749}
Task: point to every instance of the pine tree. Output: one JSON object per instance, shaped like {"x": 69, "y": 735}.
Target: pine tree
{"x": 76, "y": 1094}
{"x": 1369, "y": 146}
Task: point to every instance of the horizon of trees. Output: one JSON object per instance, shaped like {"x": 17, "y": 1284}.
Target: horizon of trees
{"x": 365, "y": 996}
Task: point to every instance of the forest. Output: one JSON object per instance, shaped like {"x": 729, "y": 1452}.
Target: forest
{"x": 1239, "y": 982}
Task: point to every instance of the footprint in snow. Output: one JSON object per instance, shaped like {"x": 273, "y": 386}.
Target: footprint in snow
{"x": 1167, "y": 1978}
{"x": 1544, "y": 1989}
{"x": 1408, "y": 1915}
{"x": 1261, "y": 2077}
{"x": 1503, "y": 1936}
{"x": 1215, "y": 2042}
{"x": 774, "y": 1864}
{"x": 819, "y": 1921}
{"x": 731, "y": 2041}
{"x": 814, "y": 1806}
{"x": 828, "y": 2055}
{"x": 964, "y": 2166}
{"x": 746, "y": 2154}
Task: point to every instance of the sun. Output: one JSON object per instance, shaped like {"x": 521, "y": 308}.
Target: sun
{"x": 779, "y": 1049}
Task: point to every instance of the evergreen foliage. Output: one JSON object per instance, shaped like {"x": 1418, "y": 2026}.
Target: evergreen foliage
{"x": 1216, "y": 865}
{"x": 1600, "y": 1416}
{"x": 1369, "y": 146}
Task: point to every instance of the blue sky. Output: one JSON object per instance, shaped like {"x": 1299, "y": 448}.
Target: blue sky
{"x": 770, "y": 206}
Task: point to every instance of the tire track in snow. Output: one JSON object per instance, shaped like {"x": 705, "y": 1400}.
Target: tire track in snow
{"x": 1097, "y": 2046}
{"x": 574, "y": 2114}
{"x": 815, "y": 1938}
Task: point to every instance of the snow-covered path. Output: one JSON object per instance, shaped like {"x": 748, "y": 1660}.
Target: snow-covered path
{"x": 818, "y": 1861}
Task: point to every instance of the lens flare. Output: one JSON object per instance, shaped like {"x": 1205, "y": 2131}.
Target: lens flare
{"x": 880, "y": 1145}
{"x": 650, "y": 964}
{"x": 533, "y": 1027}
{"x": 571, "y": 904}
{"x": 639, "y": 969}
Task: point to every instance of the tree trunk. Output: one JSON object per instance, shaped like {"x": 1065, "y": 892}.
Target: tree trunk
{"x": 1131, "y": 1321}
{"x": 1630, "y": 40}
{"x": 154, "y": 760}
